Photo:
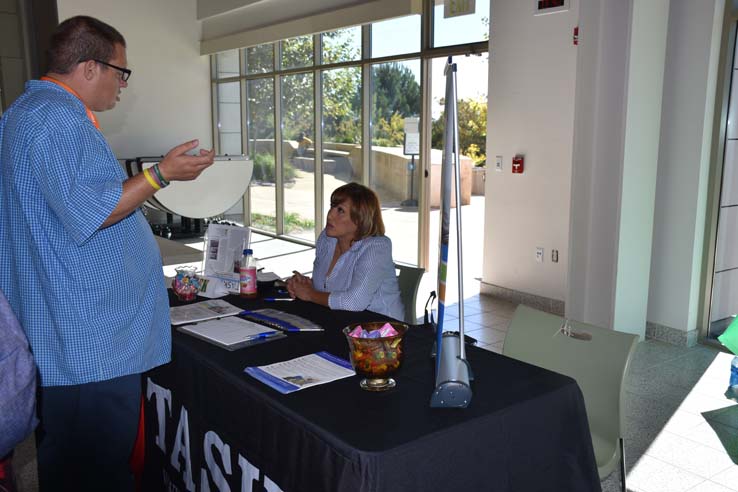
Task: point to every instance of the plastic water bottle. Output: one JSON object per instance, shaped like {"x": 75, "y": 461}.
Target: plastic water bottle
{"x": 247, "y": 274}
{"x": 732, "y": 392}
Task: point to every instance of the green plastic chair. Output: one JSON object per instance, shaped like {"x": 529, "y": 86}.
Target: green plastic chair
{"x": 409, "y": 280}
{"x": 597, "y": 358}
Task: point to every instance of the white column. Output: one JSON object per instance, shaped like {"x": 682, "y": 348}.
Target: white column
{"x": 617, "y": 125}
{"x": 690, "y": 80}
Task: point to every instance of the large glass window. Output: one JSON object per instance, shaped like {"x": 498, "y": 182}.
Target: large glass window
{"x": 471, "y": 106}
{"x": 260, "y": 59}
{"x": 396, "y": 36}
{"x": 463, "y": 29}
{"x": 298, "y": 155}
{"x": 297, "y": 52}
{"x": 395, "y": 174}
{"x": 229, "y": 117}
{"x": 343, "y": 45}
{"x": 262, "y": 151}
{"x": 322, "y": 117}
{"x": 226, "y": 64}
{"x": 341, "y": 152}
{"x": 228, "y": 132}
{"x": 472, "y": 115}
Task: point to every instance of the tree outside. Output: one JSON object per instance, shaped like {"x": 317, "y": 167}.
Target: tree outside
{"x": 472, "y": 114}
{"x": 396, "y": 96}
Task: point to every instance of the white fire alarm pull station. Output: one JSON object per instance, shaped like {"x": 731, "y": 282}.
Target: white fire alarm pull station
{"x": 498, "y": 163}
{"x": 518, "y": 164}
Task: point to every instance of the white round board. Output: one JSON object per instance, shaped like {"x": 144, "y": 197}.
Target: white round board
{"x": 216, "y": 190}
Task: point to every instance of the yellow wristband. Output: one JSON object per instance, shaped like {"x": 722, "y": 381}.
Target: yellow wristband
{"x": 151, "y": 180}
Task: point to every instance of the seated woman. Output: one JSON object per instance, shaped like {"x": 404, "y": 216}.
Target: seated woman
{"x": 353, "y": 268}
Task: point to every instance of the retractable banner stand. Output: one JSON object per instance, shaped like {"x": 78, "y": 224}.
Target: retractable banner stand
{"x": 452, "y": 369}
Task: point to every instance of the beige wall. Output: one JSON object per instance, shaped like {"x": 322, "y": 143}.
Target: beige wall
{"x": 168, "y": 97}
{"x": 532, "y": 75}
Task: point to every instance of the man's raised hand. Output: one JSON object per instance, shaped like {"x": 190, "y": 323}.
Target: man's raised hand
{"x": 177, "y": 165}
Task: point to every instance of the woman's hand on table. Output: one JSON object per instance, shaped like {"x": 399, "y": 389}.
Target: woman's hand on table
{"x": 299, "y": 286}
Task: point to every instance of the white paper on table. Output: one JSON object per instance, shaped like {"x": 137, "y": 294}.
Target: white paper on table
{"x": 224, "y": 245}
{"x": 231, "y": 333}
{"x": 201, "y": 311}
{"x": 302, "y": 372}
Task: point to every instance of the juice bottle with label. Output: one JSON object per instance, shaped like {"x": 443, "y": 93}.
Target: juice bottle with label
{"x": 247, "y": 274}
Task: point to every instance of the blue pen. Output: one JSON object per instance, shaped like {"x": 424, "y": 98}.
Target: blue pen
{"x": 273, "y": 299}
{"x": 265, "y": 334}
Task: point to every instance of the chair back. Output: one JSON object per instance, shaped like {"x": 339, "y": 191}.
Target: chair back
{"x": 597, "y": 358}
{"x": 408, "y": 279}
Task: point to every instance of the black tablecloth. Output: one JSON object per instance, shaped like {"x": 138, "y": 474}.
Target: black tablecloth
{"x": 525, "y": 429}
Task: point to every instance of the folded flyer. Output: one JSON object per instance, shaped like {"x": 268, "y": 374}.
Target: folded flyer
{"x": 302, "y": 372}
{"x": 201, "y": 311}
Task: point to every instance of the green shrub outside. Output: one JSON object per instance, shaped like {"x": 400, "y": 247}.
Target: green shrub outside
{"x": 292, "y": 222}
{"x": 264, "y": 169}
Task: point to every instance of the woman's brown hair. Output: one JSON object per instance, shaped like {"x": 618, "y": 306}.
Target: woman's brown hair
{"x": 365, "y": 210}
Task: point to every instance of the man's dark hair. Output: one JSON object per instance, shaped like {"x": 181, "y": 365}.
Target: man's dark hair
{"x": 79, "y": 39}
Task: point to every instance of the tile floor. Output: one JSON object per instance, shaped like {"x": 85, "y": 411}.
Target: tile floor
{"x": 681, "y": 432}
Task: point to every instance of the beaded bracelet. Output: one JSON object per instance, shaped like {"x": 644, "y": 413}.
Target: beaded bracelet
{"x": 151, "y": 180}
{"x": 163, "y": 181}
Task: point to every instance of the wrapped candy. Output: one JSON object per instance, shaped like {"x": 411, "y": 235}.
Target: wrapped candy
{"x": 356, "y": 332}
{"x": 385, "y": 331}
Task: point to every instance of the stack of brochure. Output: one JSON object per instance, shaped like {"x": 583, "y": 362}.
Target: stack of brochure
{"x": 201, "y": 311}
{"x": 231, "y": 333}
{"x": 303, "y": 372}
{"x": 215, "y": 322}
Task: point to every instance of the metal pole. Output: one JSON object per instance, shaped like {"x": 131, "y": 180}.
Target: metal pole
{"x": 412, "y": 175}
{"x": 459, "y": 264}
{"x": 452, "y": 369}
{"x": 445, "y": 212}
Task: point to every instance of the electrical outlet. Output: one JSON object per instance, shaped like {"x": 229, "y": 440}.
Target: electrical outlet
{"x": 555, "y": 255}
{"x": 539, "y": 255}
{"x": 498, "y": 163}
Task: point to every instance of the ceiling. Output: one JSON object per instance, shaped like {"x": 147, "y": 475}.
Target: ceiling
{"x": 231, "y": 24}
{"x": 242, "y": 15}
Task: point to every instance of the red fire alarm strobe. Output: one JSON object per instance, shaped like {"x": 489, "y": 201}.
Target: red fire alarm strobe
{"x": 518, "y": 164}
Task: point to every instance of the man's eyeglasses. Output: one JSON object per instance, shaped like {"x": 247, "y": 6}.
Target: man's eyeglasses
{"x": 125, "y": 74}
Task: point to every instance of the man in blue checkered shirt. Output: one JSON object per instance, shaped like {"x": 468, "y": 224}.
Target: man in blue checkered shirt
{"x": 78, "y": 262}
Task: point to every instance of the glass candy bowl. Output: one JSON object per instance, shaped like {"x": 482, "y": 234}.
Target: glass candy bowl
{"x": 376, "y": 359}
{"x": 185, "y": 283}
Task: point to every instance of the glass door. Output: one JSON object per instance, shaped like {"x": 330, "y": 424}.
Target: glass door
{"x": 724, "y": 297}
{"x": 472, "y": 73}
{"x": 395, "y": 160}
